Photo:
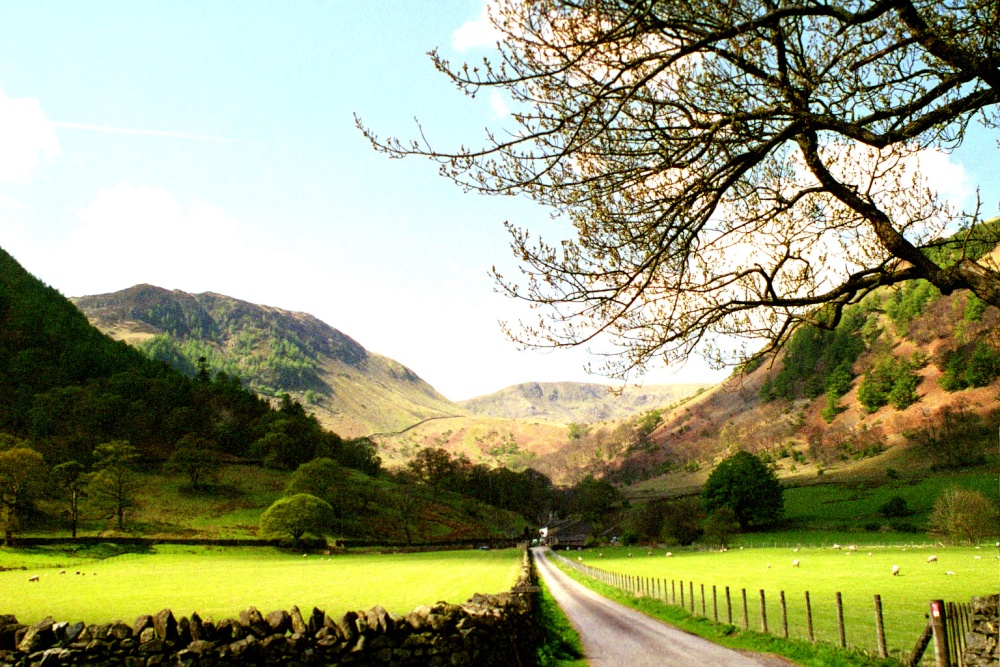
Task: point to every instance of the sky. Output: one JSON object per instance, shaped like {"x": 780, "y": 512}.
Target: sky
{"x": 212, "y": 147}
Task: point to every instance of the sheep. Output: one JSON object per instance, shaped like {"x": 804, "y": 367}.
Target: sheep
{"x": 795, "y": 550}
{"x": 978, "y": 557}
{"x": 932, "y": 559}
{"x": 853, "y": 547}
{"x": 670, "y": 554}
{"x": 579, "y": 559}
{"x": 869, "y": 554}
{"x": 650, "y": 553}
{"x": 795, "y": 563}
{"x": 949, "y": 572}
{"x": 34, "y": 578}
{"x": 769, "y": 566}
{"x": 836, "y": 546}
{"x": 895, "y": 570}
{"x": 630, "y": 555}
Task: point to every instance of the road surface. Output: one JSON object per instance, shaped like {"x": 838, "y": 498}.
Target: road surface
{"x": 616, "y": 636}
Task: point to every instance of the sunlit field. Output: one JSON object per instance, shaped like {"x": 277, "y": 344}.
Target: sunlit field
{"x": 220, "y": 582}
{"x": 823, "y": 572}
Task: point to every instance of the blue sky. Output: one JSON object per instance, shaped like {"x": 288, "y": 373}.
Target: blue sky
{"x": 211, "y": 147}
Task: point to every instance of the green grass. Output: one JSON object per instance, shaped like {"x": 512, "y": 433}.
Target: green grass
{"x": 823, "y": 572}
{"x": 561, "y": 646}
{"x": 220, "y": 582}
{"x": 801, "y": 652}
{"x": 849, "y": 507}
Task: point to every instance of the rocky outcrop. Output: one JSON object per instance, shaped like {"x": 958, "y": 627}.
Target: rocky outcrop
{"x": 981, "y": 642}
{"x": 487, "y": 630}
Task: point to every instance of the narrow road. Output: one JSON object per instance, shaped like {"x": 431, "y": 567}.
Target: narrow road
{"x": 616, "y": 636}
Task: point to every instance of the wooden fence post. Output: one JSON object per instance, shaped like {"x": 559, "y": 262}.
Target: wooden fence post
{"x": 682, "y": 594}
{"x": 691, "y": 594}
{"x": 840, "y": 621}
{"x": 729, "y": 608}
{"x": 784, "y": 617}
{"x": 703, "y": 600}
{"x": 746, "y": 617}
{"x": 715, "y": 605}
{"x": 880, "y": 628}
{"x": 763, "y": 613}
{"x": 673, "y": 592}
{"x": 809, "y": 619}
{"x": 939, "y": 627}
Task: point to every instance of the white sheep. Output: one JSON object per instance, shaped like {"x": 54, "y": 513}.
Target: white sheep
{"x": 795, "y": 550}
{"x": 670, "y": 554}
{"x": 932, "y": 559}
{"x": 34, "y": 578}
{"x": 836, "y": 546}
{"x": 650, "y": 553}
{"x": 795, "y": 563}
{"x": 869, "y": 554}
{"x": 978, "y": 557}
{"x": 769, "y": 566}
{"x": 949, "y": 572}
{"x": 580, "y": 558}
{"x": 895, "y": 570}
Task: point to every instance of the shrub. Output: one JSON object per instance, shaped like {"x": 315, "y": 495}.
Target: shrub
{"x": 894, "y": 507}
{"x": 963, "y": 515}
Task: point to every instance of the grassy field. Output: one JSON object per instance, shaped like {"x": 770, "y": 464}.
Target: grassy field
{"x": 823, "y": 572}
{"x": 220, "y": 582}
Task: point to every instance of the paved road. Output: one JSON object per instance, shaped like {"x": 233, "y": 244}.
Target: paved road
{"x": 616, "y": 636}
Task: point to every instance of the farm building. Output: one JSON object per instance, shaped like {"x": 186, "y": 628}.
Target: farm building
{"x": 567, "y": 533}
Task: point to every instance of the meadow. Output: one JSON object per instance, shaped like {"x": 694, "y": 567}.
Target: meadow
{"x": 823, "y": 572}
{"x": 220, "y": 582}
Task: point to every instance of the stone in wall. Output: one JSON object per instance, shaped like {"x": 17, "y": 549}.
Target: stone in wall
{"x": 981, "y": 643}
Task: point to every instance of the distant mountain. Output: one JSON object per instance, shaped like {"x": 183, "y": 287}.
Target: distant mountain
{"x": 352, "y": 391}
{"x": 576, "y": 402}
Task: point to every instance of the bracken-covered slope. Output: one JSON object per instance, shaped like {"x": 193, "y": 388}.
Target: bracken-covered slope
{"x": 352, "y": 391}
{"x": 576, "y": 402}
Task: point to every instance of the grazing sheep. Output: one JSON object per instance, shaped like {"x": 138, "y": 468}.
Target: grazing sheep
{"x": 34, "y": 578}
{"x": 932, "y": 559}
{"x": 978, "y": 557}
{"x": 795, "y": 563}
{"x": 847, "y": 553}
{"x": 869, "y": 554}
{"x": 895, "y": 570}
{"x": 769, "y": 566}
{"x": 795, "y": 550}
{"x": 670, "y": 554}
{"x": 580, "y": 558}
{"x": 853, "y": 547}
{"x": 950, "y": 572}
{"x": 836, "y": 546}
{"x": 650, "y": 553}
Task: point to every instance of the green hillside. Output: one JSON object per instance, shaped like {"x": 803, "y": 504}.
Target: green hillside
{"x": 272, "y": 351}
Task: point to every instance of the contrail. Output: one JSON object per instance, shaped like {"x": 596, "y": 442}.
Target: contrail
{"x": 129, "y": 130}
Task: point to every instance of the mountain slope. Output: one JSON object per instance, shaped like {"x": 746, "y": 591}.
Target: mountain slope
{"x": 578, "y": 402}
{"x": 351, "y": 390}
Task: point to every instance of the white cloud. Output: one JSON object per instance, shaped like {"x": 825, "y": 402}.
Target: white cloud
{"x": 499, "y": 105}
{"x": 478, "y": 33}
{"x": 26, "y": 135}
{"x": 950, "y": 179}
{"x": 139, "y": 234}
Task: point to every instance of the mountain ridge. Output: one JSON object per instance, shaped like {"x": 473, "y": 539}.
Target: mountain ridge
{"x": 350, "y": 389}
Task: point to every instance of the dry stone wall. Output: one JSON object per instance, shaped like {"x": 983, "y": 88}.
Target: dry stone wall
{"x": 488, "y": 630}
{"x": 981, "y": 643}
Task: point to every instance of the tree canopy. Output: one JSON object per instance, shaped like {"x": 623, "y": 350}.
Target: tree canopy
{"x": 744, "y": 484}
{"x": 295, "y": 516}
{"x": 730, "y": 167}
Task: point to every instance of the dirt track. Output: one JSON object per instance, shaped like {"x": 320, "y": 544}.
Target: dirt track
{"x": 616, "y": 636}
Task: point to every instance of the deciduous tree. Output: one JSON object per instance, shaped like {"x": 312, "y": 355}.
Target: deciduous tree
{"x": 70, "y": 479}
{"x": 197, "y": 458}
{"x": 964, "y": 515}
{"x": 114, "y": 485}
{"x": 22, "y": 479}
{"x": 730, "y": 167}
{"x": 747, "y": 486}
{"x": 296, "y": 516}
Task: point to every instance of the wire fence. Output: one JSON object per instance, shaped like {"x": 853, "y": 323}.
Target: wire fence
{"x": 895, "y": 630}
